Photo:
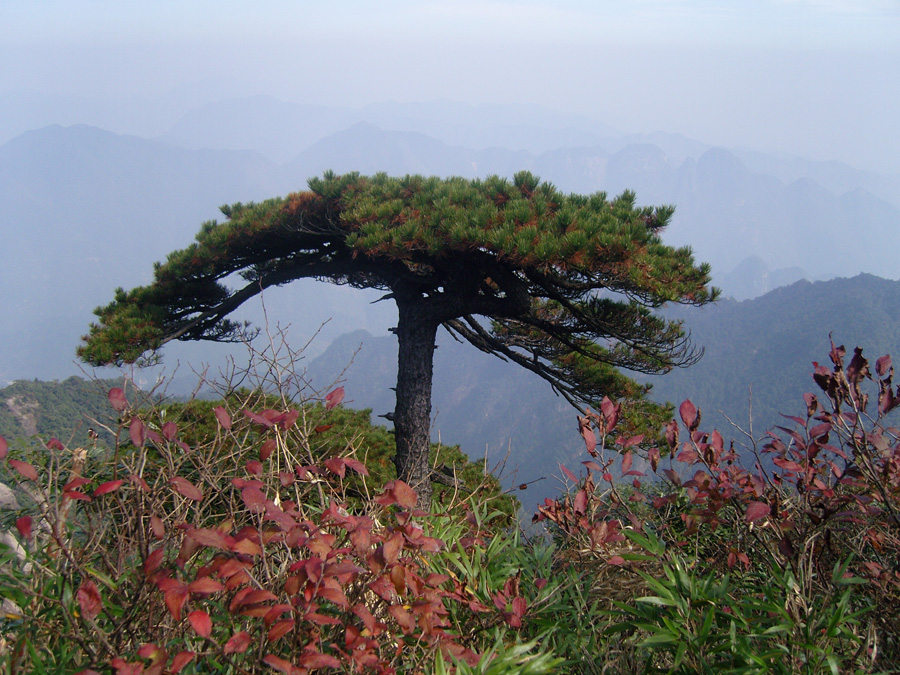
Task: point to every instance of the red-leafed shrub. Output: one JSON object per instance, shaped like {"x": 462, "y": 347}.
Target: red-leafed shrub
{"x": 253, "y": 535}
{"x": 779, "y": 554}
{"x": 246, "y": 535}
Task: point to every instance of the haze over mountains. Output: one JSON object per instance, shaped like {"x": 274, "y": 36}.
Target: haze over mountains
{"x": 87, "y": 209}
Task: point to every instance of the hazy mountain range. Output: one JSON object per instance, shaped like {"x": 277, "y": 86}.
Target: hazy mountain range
{"x": 756, "y": 366}
{"x": 758, "y": 361}
{"x": 86, "y": 210}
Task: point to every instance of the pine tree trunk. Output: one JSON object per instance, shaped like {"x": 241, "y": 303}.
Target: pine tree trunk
{"x": 416, "y": 332}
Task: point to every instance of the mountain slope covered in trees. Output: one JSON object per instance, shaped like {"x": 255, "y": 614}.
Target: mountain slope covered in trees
{"x": 758, "y": 359}
{"x": 765, "y": 346}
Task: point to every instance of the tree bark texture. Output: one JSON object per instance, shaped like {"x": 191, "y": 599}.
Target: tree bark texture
{"x": 416, "y": 332}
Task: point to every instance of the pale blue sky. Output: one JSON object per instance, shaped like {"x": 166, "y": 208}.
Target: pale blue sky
{"x": 768, "y": 23}
{"x": 815, "y": 77}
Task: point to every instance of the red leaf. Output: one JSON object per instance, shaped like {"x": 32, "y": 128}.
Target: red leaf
{"x": 390, "y": 550}
{"x": 254, "y": 499}
{"x": 592, "y": 465}
{"x": 626, "y": 462}
{"x": 76, "y": 482}
{"x": 108, "y": 486}
{"x": 175, "y": 599}
{"x": 653, "y": 456}
{"x": 125, "y": 668}
{"x": 139, "y": 482}
{"x": 568, "y": 473}
{"x": 366, "y": 616}
{"x": 820, "y": 430}
{"x": 24, "y": 469}
{"x": 610, "y": 413}
{"x": 883, "y": 365}
{"x": 280, "y": 629}
{"x": 246, "y": 546}
{"x": 223, "y": 417}
{"x": 89, "y": 599}
{"x": 186, "y": 488}
{"x": 157, "y": 527}
{"x": 672, "y": 434}
{"x": 275, "y": 612}
{"x": 277, "y": 514}
{"x": 580, "y": 504}
{"x": 267, "y": 449}
{"x": 274, "y": 416}
{"x": 281, "y": 665}
{"x": 314, "y": 659}
{"x": 200, "y": 622}
{"x": 259, "y": 419}
{"x": 117, "y": 399}
{"x": 336, "y": 465}
{"x": 76, "y": 494}
{"x": 402, "y": 617}
{"x": 519, "y": 606}
{"x": 180, "y": 661}
{"x": 137, "y": 432}
{"x": 687, "y": 455}
{"x": 289, "y": 419}
{"x": 404, "y": 494}
{"x": 787, "y": 464}
{"x": 4, "y": 448}
{"x": 205, "y": 585}
{"x": 169, "y": 430}
{"x": 356, "y": 465}
{"x": 23, "y": 525}
{"x": 150, "y": 651}
{"x": 251, "y": 597}
{"x": 689, "y": 415}
{"x": 323, "y": 427}
{"x": 254, "y": 467}
{"x": 238, "y": 644}
{"x": 206, "y": 536}
{"x": 153, "y": 561}
{"x": 616, "y": 560}
{"x": 590, "y": 438}
{"x": 333, "y": 398}
{"x": 756, "y": 510}
{"x": 672, "y": 476}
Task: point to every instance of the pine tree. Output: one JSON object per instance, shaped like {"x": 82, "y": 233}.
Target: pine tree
{"x": 563, "y": 285}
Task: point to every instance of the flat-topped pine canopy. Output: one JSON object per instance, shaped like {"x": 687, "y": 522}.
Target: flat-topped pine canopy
{"x": 563, "y": 285}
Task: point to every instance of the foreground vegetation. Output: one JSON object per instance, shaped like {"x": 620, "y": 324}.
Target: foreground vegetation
{"x": 263, "y": 534}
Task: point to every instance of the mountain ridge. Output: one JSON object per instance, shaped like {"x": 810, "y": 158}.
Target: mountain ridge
{"x": 86, "y": 210}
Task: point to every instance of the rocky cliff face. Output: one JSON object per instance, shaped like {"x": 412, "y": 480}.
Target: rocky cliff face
{"x": 25, "y": 413}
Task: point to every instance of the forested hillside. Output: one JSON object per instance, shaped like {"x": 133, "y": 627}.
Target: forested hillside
{"x": 65, "y": 410}
{"x": 762, "y": 347}
{"x": 766, "y": 345}
{"x": 761, "y": 351}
